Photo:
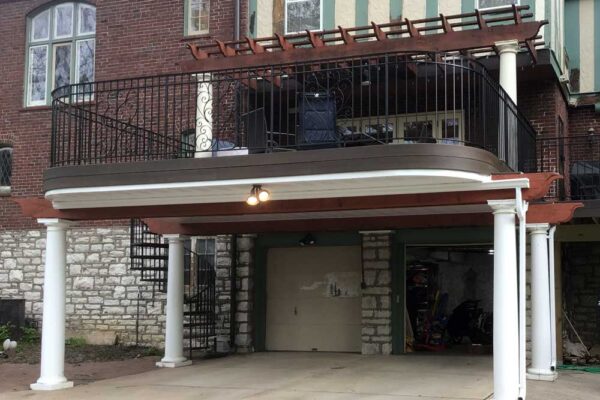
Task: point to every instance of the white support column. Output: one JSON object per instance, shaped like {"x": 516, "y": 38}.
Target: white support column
{"x": 541, "y": 338}
{"x": 507, "y": 139}
{"x": 52, "y": 368}
{"x": 508, "y": 66}
{"x": 506, "y": 310}
{"x": 174, "y": 333}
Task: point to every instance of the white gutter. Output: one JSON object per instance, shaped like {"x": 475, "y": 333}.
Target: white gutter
{"x": 521, "y": 207}
{"x": 551, "y": 233}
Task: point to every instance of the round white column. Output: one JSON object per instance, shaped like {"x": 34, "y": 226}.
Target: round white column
{"x": 508, "y": 66}
{"x": 52, "y": 368}
{"x": 175, "y": 288}
{"x": 541, "y": 338}
{"x": 506, "y": 310}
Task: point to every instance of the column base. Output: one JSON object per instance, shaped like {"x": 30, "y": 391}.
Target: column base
{"x": 174, "y": 364}
{"x": 541, "y": 375}
{"x": 51, "y": 386}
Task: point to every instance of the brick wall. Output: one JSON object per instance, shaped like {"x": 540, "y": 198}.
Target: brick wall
{"x": 133, "y": 38}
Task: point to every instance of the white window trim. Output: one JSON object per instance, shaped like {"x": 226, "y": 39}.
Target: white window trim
{"x": 72, "y": 31}
{"x": 188, "y": 23}
{"x": 517, "y": 3}
{"x": 285, "y": 18}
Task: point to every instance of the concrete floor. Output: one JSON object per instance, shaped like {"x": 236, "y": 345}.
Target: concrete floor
{"x": 295, "y": 376}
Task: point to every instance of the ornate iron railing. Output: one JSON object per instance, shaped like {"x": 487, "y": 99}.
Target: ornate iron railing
{"x": 389, "y": 99}
{"x": 577, "y": 159}
{"x": 199, "y": 304}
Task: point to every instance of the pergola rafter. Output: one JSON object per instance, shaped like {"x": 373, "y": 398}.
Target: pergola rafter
{"x": 468, "y": 33}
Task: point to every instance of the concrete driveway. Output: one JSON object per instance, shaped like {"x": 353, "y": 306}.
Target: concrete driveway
{"x": 291, "y": 376}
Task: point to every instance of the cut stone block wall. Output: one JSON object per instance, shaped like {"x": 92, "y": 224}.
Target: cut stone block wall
{"x": 376, "y": 296}
{"x": 103, "y": 295}
{"x": 244, "y": 304}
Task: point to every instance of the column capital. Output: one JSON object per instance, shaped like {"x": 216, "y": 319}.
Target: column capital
{"x": 174, "y": 237}
{"x": 539, "y": 228}
{"x": 503, "y": 206}
{"x": 507, "y": 46}
{"x": 55, "y": 223}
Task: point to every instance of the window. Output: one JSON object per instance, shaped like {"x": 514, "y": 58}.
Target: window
{"x": 61, "y": 49}
{"x": 302, "y": 15}
{"x": 482, "y": 4}
{"x": 444, "y": 127}
{"x": 202, "y": 267}
{"x": 5, "y": 169}
{"x": 197, "y": 16}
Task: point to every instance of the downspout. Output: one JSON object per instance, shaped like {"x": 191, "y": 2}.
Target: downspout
{"x": 551, "y": 233}
{"x": 521, "y": 208}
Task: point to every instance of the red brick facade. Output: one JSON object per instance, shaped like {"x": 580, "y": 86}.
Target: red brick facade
{"x": 133, "y": 38}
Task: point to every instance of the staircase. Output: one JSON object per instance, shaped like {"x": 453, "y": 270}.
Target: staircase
{"x": 199, "y": 316}
{"x": 149, "y": 253}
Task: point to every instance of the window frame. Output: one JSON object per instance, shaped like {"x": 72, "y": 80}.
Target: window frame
{"x": 187, "y": 20}
{"x": 5, "y": 190}
{"x": 285, "y": 16}
{"x": 50, "y": 44}
{"x": 517, "y": 3}
{"x": 396, "y": 122}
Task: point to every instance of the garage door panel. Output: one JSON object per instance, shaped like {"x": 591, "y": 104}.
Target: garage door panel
{"x": 317, "y": 337}
{"x": 314, "y": 299}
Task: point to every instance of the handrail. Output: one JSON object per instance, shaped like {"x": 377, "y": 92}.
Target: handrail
{"x": 382, "y": 99}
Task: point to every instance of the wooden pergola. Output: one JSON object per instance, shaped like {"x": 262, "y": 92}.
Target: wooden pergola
{"x": 467, "y": 34}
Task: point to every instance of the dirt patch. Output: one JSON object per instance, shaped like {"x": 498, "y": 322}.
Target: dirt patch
{"x": 83, "y": 364}
{"x": 77, "y": 353}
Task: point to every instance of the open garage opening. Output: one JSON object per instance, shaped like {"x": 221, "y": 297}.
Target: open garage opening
{"x": 449, "y": 299}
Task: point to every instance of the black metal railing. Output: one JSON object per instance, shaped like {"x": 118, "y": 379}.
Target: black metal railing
{"x": 149, "y": 254}
{"x": 199, "y": 304}
{"x": 390, "y": 99}
{"x": 577, "y": 159}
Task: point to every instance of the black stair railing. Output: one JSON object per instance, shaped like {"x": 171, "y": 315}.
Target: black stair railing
{"x": 199, "y": 304}
{"x": 149, "y": 254}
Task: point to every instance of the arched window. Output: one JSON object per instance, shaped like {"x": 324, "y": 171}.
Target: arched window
{"x": 60, "y": 49}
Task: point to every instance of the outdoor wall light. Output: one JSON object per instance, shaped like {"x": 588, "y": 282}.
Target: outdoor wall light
{"x": 257, "y": 195}
{"x": 308, "y": 240}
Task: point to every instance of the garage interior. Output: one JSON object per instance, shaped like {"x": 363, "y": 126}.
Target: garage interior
{"x": 449, "y": 299}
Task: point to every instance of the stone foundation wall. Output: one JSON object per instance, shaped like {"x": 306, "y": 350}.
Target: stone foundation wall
{"x": 244, "y": 304}
{"x": 376, "y": 296}
{"x": 103, "y": 295}
{"x": 581, "y": 276}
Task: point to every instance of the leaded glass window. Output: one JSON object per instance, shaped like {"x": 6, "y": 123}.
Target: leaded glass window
{"x": 302, "y": 15}
{"x": 61, "y": 49}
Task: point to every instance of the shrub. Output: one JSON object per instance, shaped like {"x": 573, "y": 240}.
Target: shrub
{"x": 5, "y": 332}
{"x": 76, "y": 342}
{"x": 29, "y": 334}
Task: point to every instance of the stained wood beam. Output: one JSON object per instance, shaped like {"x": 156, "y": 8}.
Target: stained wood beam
{"x": 439, "y": 42}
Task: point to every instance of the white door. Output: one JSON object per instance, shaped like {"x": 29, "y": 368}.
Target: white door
{"x": 314, "y": 299}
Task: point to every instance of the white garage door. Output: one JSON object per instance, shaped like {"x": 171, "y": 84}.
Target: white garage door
{"x": 314, "y": 299}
